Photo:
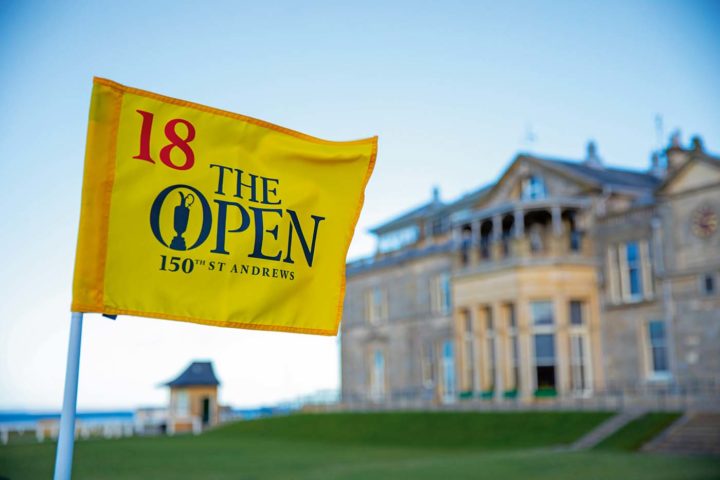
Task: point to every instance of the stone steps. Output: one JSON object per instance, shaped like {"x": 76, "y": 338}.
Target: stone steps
{"x": 693, "y": 434}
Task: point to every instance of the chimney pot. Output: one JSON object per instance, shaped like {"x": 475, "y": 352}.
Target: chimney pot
{"x": 436, "y": 194}
{"x": 593, "y": 159}
{"x": 697, "y": 143}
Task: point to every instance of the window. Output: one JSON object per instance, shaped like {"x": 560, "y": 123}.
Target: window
{"x": 536, "y": 239}
{"x": 543, "y": 320}
{"x": 505, "y": 241}
{"x": 707, "y": 284}
{"x": 377, "y": 376}
{"x": 448, "y": 369}
{"x": 489, "y": 319}
{"x": 578, "y": 369}
{"x": 512, "y": 319}
{"x": 579, "y": 349}
{"x": 428, "y": 364}
{"x": 634, "y": 272}
{"x": 466, "y": 243}
{"x": 441, "y": 298}
{"x": 467, "y": 323}
{"x": 542, "y": 313}
{"x": 468, "y": 351}
{"x": 629, "y": 272}
{"x": 533, "y": 188}
{"x": 485, "y": 246}
{"x": 182, "y": 403}
{"x": 445, "y": 298}
{"x": 575, "y": 240}
{"x": 545, "y": 361}
{"x": 658, "y": 348}
{"x": 376, "y": 305}
{"x": 576, "y": 313}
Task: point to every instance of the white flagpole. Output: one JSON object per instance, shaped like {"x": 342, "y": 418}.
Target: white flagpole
{"x": 66, "y": 438}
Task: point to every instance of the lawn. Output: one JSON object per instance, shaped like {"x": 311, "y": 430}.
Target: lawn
{"x": 373, "y": 446}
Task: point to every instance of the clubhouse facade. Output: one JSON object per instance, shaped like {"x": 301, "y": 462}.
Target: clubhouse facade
{"x": 563, "y": 279}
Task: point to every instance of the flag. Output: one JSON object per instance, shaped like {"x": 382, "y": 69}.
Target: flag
{"x": 200, "y": 215}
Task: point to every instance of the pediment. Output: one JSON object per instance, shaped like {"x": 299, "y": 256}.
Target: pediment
{"x": 695, "y": 174}
{"x": 510, "y": 186}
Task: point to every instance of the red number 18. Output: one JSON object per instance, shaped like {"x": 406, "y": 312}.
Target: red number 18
{"x": 172, "y": 136}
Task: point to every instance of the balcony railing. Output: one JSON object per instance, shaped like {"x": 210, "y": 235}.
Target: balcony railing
{"x": 572, "y": 245}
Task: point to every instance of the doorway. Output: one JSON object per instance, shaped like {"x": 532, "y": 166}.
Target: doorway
{"x": 206, "y": 410}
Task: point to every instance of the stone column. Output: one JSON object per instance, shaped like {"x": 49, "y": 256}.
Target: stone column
{"x": 557, "y": 238}
{"x": 524, "y": 333}
{"x": 521, "y": 247}
{"x": 474, "y": 235}
{"x": 519, "y": 223}
{"x": 477, "y": 352}
{"x": 477, "y": 240}
{"x": 557, "y": 225}
{"x": 562, "y": 346}
{"x": 457, "y": 235}
{"x": 500, "y": 351}
{"x": 496, "y": 246}
{"x": 594, "y": 326}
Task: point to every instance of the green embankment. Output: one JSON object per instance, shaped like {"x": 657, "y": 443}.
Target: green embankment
{"x": 497, "y": 431}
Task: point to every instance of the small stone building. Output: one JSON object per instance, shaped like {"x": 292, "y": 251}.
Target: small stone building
{"x": 193, "y": 399}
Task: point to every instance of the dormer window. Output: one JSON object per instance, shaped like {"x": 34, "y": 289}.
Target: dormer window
{"x": 533, "y": 188}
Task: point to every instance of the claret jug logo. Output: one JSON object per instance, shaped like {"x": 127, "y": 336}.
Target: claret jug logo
{"x": 243, "y": 210}
{"x": 182, "y": 214}
{"x": 181, "y": 217}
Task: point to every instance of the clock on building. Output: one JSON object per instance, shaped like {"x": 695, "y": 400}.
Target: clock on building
{"x": 704, "y": 221}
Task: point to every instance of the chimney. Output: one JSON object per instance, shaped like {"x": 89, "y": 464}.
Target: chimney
{"x": 674, "y": 153}
{"x": 436, "y": 194}
{"x": 592, "y": 159}
{"x": 697, "y": 144}
{"x": 658, "y": 168}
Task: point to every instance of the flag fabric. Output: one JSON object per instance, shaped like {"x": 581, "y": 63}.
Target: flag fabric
{"x": 200, "y": 215}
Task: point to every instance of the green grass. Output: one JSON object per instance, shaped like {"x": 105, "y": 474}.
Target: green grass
{"x": 638, "y": 432}
{"x": 439, "y": 430}
{"x": 269, "y": 450}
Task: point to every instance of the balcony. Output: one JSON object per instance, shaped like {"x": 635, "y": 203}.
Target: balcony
{"x": 529, "y": 233}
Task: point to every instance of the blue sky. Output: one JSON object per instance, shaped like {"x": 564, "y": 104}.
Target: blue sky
{"x": 450, "y": 88}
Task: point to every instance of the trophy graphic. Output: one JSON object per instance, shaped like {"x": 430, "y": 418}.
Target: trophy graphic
{"x": 180, "y": 221}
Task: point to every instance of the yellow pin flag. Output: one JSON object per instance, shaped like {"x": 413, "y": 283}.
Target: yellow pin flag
{"x": 196, "y": 214}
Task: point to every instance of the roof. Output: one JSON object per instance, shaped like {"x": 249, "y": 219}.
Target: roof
{"x": 470, "y": 198}
{"x": 603, "y": 176}
{"x": 402, "y": 256}
{"x": 197, "y": 374}
{"x": 612, "y": 177}
{"x": 409, "y": 217}
{"x": 428, "y": 209}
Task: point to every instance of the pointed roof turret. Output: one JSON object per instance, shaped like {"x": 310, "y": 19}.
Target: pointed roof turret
{"x": 197, "y": 374}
